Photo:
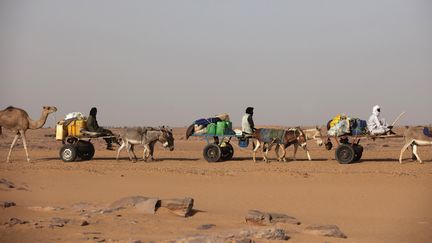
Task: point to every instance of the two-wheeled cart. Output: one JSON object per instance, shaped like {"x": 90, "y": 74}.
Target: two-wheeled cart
{"x": 219, "y": 147}
{"x": 348, "y": 148}
{"x": 80, "y": 147}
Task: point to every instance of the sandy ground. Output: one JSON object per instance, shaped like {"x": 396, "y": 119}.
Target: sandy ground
{"x": 376, "y": 200}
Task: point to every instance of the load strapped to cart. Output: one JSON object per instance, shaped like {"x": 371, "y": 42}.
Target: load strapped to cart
{"x": 347, "y": 133}
{"x": 220, "y": 130}
{"x": 72, "y": 131}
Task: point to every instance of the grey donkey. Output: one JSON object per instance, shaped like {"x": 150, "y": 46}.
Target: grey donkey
{"x": 146, "y": 136}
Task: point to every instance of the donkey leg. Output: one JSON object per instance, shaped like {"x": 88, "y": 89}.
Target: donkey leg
{"x": 307, "y": 152}
{"x": 257, "y": 146}
{"x": 146, "y": 152}
{"x": 265, "y": 153}
{"x": 277, "y": 153}
{"x": 295, "y": 151}
{"x": 133, "y": 152}
{"x": 151, "y": 145}
{"x": 123, "y": 144}
{"x": 405, "y": 147}
{"x": 12, "y": 146}
{"x": 129, "y": 147}
{"x": 416, "y": 154}
{"x": 283, "y": 156}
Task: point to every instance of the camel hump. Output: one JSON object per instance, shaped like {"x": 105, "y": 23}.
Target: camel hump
{"x": 10, "y": 108}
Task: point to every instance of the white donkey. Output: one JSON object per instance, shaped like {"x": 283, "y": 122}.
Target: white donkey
{"x": 148, "y": 137}
{"x": 416, "y": 136}
{"x": 314, "y": 134}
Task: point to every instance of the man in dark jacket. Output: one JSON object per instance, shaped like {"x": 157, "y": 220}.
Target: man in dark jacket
{"x": 93, "y": 126}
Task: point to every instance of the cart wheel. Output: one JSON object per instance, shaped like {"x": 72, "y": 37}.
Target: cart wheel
{"x": 85, "y": 150}
{"x": 212, "y": 153}
{"x": 358, "y": 149}
{"x": 345, "y": 154}
{"x": 68, "y": 153}
{"x": 227, "y": 152}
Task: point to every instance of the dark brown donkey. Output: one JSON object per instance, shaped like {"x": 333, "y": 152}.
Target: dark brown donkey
{"x": 292, "y": 136}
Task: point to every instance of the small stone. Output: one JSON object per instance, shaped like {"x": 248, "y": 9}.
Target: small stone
{"x": 84, "y": 223}
{"x": 7, "y": 204}
{"x": 148, "y": 207}
{"x": 58, "y": 222}
{"x": 325, "y": 230}
{"x": 45, "y": 209}
{"x": 6, "y": 183}
{"x": 205, "y": 226}
{"x": 15, "y": 221}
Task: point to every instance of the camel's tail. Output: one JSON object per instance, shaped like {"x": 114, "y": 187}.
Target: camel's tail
{"x": 0, "y": 130}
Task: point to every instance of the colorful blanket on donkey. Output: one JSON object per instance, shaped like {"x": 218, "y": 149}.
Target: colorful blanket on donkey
{"x": 269, "y": 135}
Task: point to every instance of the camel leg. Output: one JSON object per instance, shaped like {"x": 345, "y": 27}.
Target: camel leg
{"x": 416, "y": 154}
{"x": 295, "y": 151}
{"x": 25, "y": 144}
{"x": 120, "y": 149}
{"x": 257, "y": 146}
{"x": 405, "y": 147}
{"x": 12, "y": 146}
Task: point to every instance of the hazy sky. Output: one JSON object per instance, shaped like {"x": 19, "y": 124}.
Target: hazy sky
{"x": 171, "y": 62}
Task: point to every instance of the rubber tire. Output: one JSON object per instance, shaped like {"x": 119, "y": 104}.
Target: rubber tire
{"x": 68, "y": 153}
{"x": 227, "y": 152}
{"x": 345, "y": 154}
{"x": 358, "y": 149}
{"x": 212, "y": 153}
{"x": 85, "y": 150}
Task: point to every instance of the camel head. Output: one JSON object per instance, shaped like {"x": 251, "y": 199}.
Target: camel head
{"x": 49, "y": 109}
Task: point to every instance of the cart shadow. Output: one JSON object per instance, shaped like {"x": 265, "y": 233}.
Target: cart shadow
{"x": 120, "y": 159}
{"x": 159, "y": 159}
{"x": 391, "y": 160}
{"x": 260, "y": 159}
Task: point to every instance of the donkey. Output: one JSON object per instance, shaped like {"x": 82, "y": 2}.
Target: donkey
{"x": 314, "y": 134}
{"x": 148, "y": 137}
{"x": 416, "y": 136}
{"x": 292, "y": 136}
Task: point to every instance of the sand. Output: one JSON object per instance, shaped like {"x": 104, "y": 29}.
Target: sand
{"x": 376, "y": 200}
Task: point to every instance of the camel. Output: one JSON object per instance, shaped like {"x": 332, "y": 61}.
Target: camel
{"x": 416, "y": 136}
{"x": 18, "y": 121}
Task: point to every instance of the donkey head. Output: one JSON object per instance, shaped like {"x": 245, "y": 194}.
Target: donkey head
{"x": 166, "y": 138}
{"x": 318, "y": 136}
